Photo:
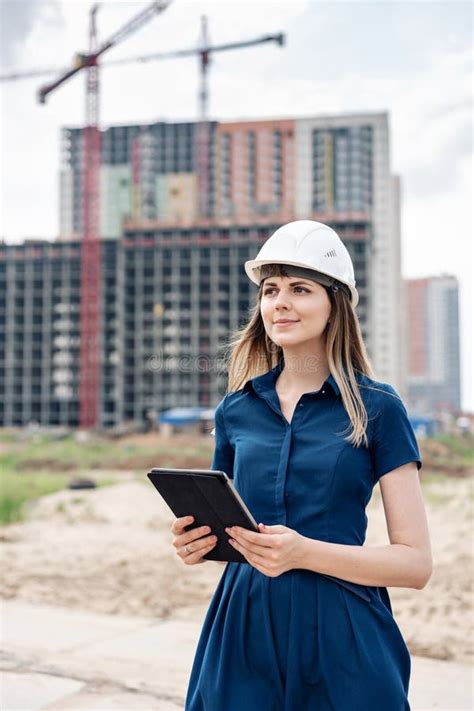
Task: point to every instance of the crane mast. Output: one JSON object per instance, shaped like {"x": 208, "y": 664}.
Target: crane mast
{"x": 202, "y": 128}
{"x": 90, "y": 306}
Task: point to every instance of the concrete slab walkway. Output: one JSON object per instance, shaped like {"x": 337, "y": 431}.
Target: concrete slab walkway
{"x": 62, "y": 660}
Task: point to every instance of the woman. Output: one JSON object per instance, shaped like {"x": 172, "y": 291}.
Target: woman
{"x": 306, "y": 432}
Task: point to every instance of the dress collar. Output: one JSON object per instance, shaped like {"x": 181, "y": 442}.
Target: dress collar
{"x": 266, "y": 382}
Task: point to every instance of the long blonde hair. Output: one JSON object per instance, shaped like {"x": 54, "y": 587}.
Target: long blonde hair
{"x": 251, "y": 352}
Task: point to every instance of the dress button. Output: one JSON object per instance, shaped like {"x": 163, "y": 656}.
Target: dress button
{"x": 323, "y": 391}
{"x": 301, "y": 404}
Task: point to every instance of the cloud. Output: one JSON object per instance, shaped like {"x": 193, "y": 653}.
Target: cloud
{"x": 17, "y": 20}
{"x": 335, "y": 40}
{"x": 433, "y": 125}
{"x": 443, "y": 148}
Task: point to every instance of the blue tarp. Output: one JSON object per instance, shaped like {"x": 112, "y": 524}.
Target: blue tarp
{"x": 185, "y": 415}
{"x": 424, "y": 426}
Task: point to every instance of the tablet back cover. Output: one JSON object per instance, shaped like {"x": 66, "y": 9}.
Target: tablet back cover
{"x": 205, "y": 496}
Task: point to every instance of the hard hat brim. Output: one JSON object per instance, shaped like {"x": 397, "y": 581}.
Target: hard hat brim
{"x": 254, "y": 264}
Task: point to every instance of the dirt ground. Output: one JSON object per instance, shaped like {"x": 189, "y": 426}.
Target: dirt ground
{"x": 109, "y": 550}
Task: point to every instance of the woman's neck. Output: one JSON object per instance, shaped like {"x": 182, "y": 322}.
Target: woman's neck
{"x": 303, "y": 371}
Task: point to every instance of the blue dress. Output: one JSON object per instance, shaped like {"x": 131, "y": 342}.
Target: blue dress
{"x": 304, "y": 640}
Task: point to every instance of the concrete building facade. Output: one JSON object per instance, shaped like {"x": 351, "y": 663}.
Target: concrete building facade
{"x": 432, "y": 337}
{"x": 170, "y": 299}
{"x": 328, "y": 168}
{"x": 343, "y": 168}
{"x": 173, "y": 284}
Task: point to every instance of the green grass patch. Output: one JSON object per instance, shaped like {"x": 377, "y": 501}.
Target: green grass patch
{"x": 35, "y": 464}
{"x": 68, "y": 455}
{"x": 8, "y": 435}
{"x": 436, "y": 498}
{"x": 434, "y": 491}
{"x": 106, "y": 481}
{"x": 17, "y": 489}
{"x": 461, "y": 445}
{"x": 433, "y": 477}
{"x": 450, "y": 451}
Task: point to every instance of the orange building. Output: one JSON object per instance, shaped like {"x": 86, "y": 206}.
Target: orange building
{"x": 254, "y": 169}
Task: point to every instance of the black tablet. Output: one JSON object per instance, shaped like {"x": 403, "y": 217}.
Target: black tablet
{"x": 209, "y": 496}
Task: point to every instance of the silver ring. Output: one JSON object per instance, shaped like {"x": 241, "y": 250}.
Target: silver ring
{"x": 187, "y": 549}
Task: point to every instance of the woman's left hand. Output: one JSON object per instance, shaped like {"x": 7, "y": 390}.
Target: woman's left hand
{"x": 273, "y": 551}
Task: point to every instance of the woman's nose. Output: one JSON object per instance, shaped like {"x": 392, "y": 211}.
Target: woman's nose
{"x": 281, "y": 300}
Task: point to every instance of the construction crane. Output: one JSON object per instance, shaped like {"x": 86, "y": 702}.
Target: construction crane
{"x": 90, "y": 260}
{"x": 90, "y": 313}
{"x": 203, "y": 51}
{"x": 145, "y": 58}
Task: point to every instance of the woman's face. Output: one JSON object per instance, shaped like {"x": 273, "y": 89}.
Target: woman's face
{"x": 294, "y": 310}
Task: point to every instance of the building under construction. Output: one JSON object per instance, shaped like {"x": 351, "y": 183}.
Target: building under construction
{"x": 173, "y": 285}
{"x": 432, "y": 338}
{"x": 277, "y": 169}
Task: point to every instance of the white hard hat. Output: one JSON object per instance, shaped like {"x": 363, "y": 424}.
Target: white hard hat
{"x": 308, "y": 245}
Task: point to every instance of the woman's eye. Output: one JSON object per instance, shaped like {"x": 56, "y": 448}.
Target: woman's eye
{"x": 270, "y": 290}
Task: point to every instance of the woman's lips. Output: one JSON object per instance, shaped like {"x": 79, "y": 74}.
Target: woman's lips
{"x": 285, "y": 323}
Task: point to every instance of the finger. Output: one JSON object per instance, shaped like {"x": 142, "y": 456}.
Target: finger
{"x": 183, "y": 538}
{"x": 271, "y": 530}
{"x": 193, "y": 535}
{"x": 259, "y": 546}
{"x": 180, "y": 523}
{"x": 248, "y": 547}
{"x": 262, "y": 539}
{"x": 196, "y": 556}
{"x": 252, "y": 556}
{"x": 199, "y": 545}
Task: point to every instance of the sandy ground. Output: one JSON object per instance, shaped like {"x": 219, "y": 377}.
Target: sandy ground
{"x": 109, "y": 550}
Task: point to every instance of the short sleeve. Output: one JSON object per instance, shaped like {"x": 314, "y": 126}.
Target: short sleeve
{"x": 394, "y": 442}
{"x": 223, "y": 459}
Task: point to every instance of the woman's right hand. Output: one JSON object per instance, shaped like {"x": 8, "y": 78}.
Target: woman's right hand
{"x": 191, "y": 546}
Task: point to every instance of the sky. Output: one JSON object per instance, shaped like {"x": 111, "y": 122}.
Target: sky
{"x": 412, "y": 58}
